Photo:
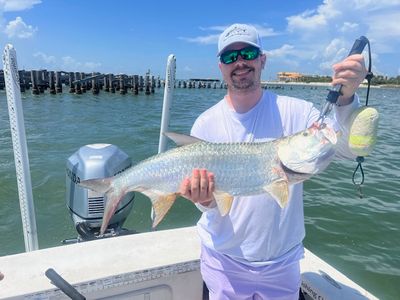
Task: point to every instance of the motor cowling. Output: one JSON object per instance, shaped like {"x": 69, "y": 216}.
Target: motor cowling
{"x": 85, "y": 206}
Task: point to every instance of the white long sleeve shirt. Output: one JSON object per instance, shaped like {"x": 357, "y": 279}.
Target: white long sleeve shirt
{"x": 257, "y": 231}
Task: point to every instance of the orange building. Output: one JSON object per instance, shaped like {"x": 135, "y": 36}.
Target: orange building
{"x": 289, "y": 76}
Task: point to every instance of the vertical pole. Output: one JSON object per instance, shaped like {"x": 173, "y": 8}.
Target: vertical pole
{"x": 20, "y": 148}
{"x": 58, "y": 82}
{"x": 168, "y": 93}
{"x": 52, "y": 84}
{"x": 35, "y": 89}
{"x": 71, "y": 82}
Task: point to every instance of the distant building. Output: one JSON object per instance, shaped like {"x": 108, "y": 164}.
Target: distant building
{"x": 289, "y": 76}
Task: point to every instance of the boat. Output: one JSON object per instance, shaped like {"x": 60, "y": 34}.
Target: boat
{"x": 152, "y": 265}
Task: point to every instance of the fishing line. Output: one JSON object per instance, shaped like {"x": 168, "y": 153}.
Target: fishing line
{"x": 360, "y": 158}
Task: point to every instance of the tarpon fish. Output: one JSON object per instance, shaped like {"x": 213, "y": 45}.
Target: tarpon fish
{"x": 240, "y": 169}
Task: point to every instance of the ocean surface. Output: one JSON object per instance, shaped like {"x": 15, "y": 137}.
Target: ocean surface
{"x": 359, "y": 236}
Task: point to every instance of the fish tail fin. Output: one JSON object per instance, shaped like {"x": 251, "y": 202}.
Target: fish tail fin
{"x": 112, "y": 197}
{"x": 224, "y": 202}
{"x": 161, "y": 204}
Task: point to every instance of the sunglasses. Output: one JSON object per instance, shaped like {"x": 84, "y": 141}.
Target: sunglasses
{"x": 248, "y": 53}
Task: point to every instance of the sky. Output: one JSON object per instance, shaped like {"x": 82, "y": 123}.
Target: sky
{"x": 132, "y": 37}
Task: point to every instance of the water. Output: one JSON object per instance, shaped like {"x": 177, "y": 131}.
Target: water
{"x": 360, "y": 237}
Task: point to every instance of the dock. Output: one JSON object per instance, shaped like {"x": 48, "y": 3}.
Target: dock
{"x": 55, "y": 82}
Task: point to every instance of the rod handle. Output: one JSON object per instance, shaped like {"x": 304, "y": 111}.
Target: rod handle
{"x": 357, "y": 48}
{"x": 63, "y": 285}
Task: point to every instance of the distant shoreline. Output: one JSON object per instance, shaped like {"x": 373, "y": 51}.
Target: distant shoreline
{"x": 323, "y": 84}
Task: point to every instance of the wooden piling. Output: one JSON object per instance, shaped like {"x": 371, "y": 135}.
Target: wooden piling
{"x": 106, "y": 84}
{"x": 147, "y": 84}
{"x": 43, "y": 81}
{"x": 84, "y": 83}
{"x": 122, "y": 87}
{"x": 52, "y": 84}
{"x": 78, "y": 87}
{"x": 71, "y": 82}
{"x": 35, "y": 89}
{"x": 58, "y": 82}
{"x": 21, "y": 75}
{"x": 95, "y": 85}
{"x": 111, "y": 82}
{"x": 136, "y": 84}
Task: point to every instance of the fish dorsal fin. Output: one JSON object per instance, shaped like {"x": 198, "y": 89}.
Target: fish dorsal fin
{"x": 161, "y": 204}
{"x": 224, "y": 202}
{"x": 181, "y": 139}
{"x": 279, "y": 190}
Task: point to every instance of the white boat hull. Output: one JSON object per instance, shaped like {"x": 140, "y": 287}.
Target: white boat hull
{"x": 153, "y": 265}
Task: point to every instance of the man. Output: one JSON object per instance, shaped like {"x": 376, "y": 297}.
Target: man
{"x": 254, "y": 251}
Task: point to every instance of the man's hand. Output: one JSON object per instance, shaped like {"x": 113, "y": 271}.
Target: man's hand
{"x": 350, "y": 73}
{"x": 199, "y": 188}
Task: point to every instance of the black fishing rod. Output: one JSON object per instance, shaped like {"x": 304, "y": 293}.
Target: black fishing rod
{"x": 335, "y": 92}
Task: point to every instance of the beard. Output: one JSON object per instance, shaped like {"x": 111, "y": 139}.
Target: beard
{"x": 244, "y": 82}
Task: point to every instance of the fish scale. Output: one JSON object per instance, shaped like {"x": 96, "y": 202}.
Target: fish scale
{"x": 167, "y": 172}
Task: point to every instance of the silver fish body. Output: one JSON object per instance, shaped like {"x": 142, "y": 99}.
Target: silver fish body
{"x": 240, "y": 169}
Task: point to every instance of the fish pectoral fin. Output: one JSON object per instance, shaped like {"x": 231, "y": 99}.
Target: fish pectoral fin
{"x": 224, "y": 202}
{"x": 181, "y": 139}
{"x": 161, "y": 204}
{"x": 279, "y": 190}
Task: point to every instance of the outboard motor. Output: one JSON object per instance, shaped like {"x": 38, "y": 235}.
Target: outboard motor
{"x": 87, "y": 207}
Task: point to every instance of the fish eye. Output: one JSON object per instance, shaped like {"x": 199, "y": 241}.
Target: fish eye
{"x": 305, "y": 133}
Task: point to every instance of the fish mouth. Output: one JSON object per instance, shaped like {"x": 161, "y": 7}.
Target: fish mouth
{"x": 294, "y": 176}
{"x": 329, "y": 133}
{"x": 292, "y": 172}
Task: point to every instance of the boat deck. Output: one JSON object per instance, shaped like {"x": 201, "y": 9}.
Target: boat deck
{"x": 153, "y": 265}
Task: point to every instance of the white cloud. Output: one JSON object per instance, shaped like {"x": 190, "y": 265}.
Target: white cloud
{"x": 265, "y": 31}
{"x": 321, "y": 36}
{"x": 17, "y": 5}
{"x": 325, "y": 34}
{"x": 204, "y": 40}
{"x": 212, "y": 38}
{"x": 71, "y": 64}
{"x": 18, "y": 28}
{"x": 314, "y": 19}
{"x": 307, "y": 20}
{"x": 283, "y": 51}
{"x": 48, "y": 59}
{"x": 334, "y": 52}
{"x": 385, "y": 29}
{"x": 336, "y": 47}
{"x": 91, "y": 66}
{"x": 348, "y": 27}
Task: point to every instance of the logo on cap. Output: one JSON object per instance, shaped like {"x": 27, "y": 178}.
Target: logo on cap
{"x": 235, "y": 31}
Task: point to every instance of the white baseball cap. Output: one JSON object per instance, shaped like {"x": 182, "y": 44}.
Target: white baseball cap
{"x": 239, "y": 33}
